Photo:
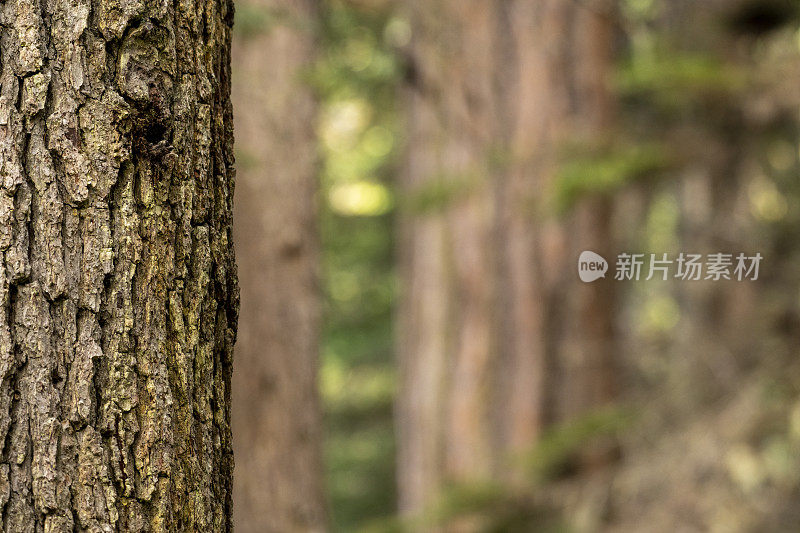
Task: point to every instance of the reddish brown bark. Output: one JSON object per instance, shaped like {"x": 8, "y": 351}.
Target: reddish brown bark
{"x": 492, "y": 305}
{"x": 278, "y": 483}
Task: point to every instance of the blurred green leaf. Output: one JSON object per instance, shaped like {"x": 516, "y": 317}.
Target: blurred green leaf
{"x": 253, "y": 20}
{"x": 677, "y": 78}
{"x": 562, "y": 443}
{"x": 439, "y": 193}
{"x": 588, "y": 172}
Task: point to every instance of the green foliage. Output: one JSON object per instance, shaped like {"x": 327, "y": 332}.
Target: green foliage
{"x": 246, "y": 159}
{"x": 490, "y": 507}
{"x": 562, "y": 443}
{"x": 589, "y": 172}
{"x": 361, "y": 481}
{"x": 669, "y": 84}
{"x": 254, "y": 20}
{"x": 355, "y": 78}
{"x": 439, "y": 193}
{"x": 357, "y": 56}
{"x": 481, "y": 507}
{"x": 639, "y": 10}
{"x": 442, "y": 190}
{"x": 494, "y": 508}
{"x": 674, "y": 80}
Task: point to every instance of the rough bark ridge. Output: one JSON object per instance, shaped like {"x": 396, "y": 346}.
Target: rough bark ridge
{"x": 276, "y": 417}
{"x": 117, "y": 282}
{"x": 491, "y": 296}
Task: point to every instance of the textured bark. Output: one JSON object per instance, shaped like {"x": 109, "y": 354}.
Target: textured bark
{"x": 118, "y": 298}
{"x": 276, "y": 419}
{"x": 494, "y": 322}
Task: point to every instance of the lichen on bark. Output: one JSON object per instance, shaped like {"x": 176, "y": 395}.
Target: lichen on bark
{"x": 118, "y": 294}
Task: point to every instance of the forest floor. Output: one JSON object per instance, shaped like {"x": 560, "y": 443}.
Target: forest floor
{"x": 731, "y": 467}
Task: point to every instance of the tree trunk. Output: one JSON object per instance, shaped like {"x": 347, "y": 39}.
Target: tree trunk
{"x": 276, "y": 418}
{"x": 118, "y": 296}
{"x": 491, "y": 295}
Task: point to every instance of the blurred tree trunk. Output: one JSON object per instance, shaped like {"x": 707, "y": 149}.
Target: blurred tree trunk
{"x": 118, "y": 297}
{"x": 276, "y": 418}
{"x": 713, "y": 217}
{"x": 492, "y": 305}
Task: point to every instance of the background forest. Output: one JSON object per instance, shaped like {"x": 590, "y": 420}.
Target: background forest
{"x": 415, "y": 183}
